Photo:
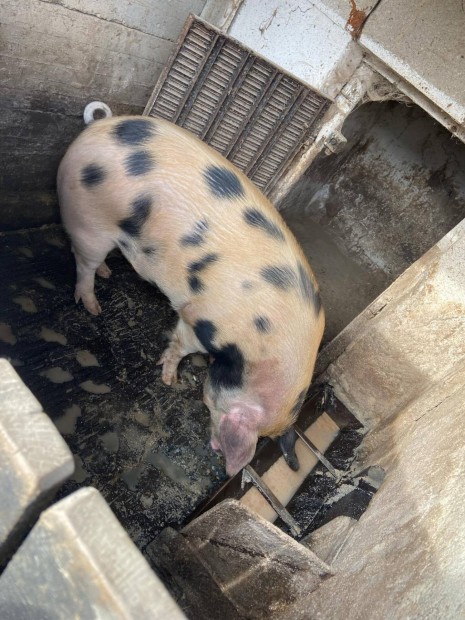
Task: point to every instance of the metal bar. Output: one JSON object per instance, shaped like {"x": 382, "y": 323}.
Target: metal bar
{"x": 324, "y": 461}
{"x": 286, "y": 115}
{"x": 253, "y": 114}
{"x": 272, "y": 499}
{"x": 164, "y": 74}
{"x": 291, "y": 156}
{"x": 198, "y": 79}
{"x": 229, "y": 91}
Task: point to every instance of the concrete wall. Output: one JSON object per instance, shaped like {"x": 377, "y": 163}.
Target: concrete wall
{"x": 400, "y": 366}
{"x": 57, "y": 55}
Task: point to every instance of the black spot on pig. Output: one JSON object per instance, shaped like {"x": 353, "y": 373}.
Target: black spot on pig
{"x": 227, "y": 368}
{"x": 206, "y": 332}
{"x": 195, "y": 284}
{"x": 92, "y": 175}
{"x": 255, "y": 218}
{"x": 133, "y": 132}
{"x": 138, "y": 163}
{"x": 280, "y": 276}
{"x": 201, "y": 264}
{"x": 149, "y": 251}
{"x": 124, "y": 244}
{"x": 223, "y": 183}
{"x": 262, "y": 324}
{"x": 197, "y": 236}
{"x": 247, "y": 285}
{"x": 195, "y": 267}
{"x": 298, "y": 404}
{"x": 141, "y": 207}
{"x": 308, "y": 289}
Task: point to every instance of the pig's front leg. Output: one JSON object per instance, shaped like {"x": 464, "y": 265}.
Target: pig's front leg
{"x": 183, "y": 342}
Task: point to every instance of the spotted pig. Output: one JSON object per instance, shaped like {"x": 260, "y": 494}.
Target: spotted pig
{"x": 190, "y": 222}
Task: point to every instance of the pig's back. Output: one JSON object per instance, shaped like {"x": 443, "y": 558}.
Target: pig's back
{"x": 204, "y": 233}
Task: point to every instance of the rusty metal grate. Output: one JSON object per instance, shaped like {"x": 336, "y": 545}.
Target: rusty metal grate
{"x": 243, "y": 106}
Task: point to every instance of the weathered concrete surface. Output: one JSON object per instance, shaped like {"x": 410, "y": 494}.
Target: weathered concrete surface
{"x": 188, "y": 580}
{"x": 301, "y": 39}
{"x": 327, "y": 541}
{"x": 259, "y": 569}
{"x": 56, "y": 56}
{"x": 400, "y": 366}
{"x": 423, "y": 42}
{"x": 34, "y": 459}
{"x": 410, "y": 337}
{"x": 79, "y": 562}
{"x": 406, "y": 557}
{"x": 366, "y": 214}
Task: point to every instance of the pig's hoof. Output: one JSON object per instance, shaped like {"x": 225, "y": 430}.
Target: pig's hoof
{"x": 90, "y": 303}
{"x": 169, "y": 374}
{"x": 104, "y": 270}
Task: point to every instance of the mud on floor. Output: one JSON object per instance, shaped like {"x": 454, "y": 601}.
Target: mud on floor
{"x": 144, "y": 445}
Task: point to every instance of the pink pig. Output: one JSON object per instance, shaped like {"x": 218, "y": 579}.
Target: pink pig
{"x": 189, "y": 221}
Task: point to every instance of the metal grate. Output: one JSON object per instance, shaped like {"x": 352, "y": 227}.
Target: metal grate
{"x": 243, "y": 106}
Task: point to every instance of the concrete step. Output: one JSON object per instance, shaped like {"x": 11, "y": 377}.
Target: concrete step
{"x": 328, "y": 540}
{"x": 188, "y": 580}
{"x": 34, "y": 460}
{"x": 232, "y": 555}
{"x": 78, "y": 562}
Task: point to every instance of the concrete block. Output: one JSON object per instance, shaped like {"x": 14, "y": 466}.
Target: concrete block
{"x": 188, "y": 580}
{"x": 327, "y": 541}
{"x": 424, "y": 46}
{"x": 78, "y": 562}
{"x": 259, "y": 568}
{"x": 303, "y": 41}
{"x": 34, "y": 459}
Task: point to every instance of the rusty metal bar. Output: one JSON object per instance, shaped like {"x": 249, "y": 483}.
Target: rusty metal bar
{"x": 234, "y": 84}
{"x": 251, "y": 474}
{"x": 290, "y": 157}
{"x": 323, "y": 460}
{"x": 292, "y": 106}
{"x": 198, "y": 79}
{"x": 254, "y": 114}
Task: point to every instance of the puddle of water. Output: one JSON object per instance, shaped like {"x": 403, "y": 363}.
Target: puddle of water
{"x": 173, "y": 471}
{"x": 56, "y": 241}
{"x": 131, "y": 476}
{"x": 49, "y": 335}
{"x": 86, "y": 358}
{"x": 6, "y": 334}
{"x": 26, "y": 303}
{"x": 80, "y": 474}
{"x": 95, "y": 388}
{"x": 57, "y": 375}
{"x": 27, "y": 252}
{"x": 66, "y": 424}
{"x": 45, "y": 283}
{"x": 110, "y": 442}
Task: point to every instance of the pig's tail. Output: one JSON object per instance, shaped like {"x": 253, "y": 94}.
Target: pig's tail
{"x": 93, "y": 107}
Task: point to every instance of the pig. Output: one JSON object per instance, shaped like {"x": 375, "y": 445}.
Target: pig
{"x": 191, "y": 223}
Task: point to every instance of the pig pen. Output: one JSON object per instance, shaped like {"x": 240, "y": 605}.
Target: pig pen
{"x": 381, "y": 221}
{"x": 362, "y": 216}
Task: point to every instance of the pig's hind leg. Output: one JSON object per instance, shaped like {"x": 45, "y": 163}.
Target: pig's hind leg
{"x": 90, "y": 259}
{"x": 183, "y": 342}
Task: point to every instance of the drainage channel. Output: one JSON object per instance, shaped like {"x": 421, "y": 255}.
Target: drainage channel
{"x": 300, "y": 502}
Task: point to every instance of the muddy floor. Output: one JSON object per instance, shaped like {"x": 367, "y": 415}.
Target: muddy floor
{"x": 144, "y": 445}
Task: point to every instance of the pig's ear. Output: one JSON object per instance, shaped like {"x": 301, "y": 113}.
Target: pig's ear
{"x": 238, "y": 438}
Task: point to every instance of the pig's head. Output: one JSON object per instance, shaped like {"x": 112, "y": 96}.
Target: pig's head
{"x": 240, "y": 415}
{"x": 235, "y": 424}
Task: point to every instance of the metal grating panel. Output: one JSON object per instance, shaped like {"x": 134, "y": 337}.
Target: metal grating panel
{"x": 243, "y": 106}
